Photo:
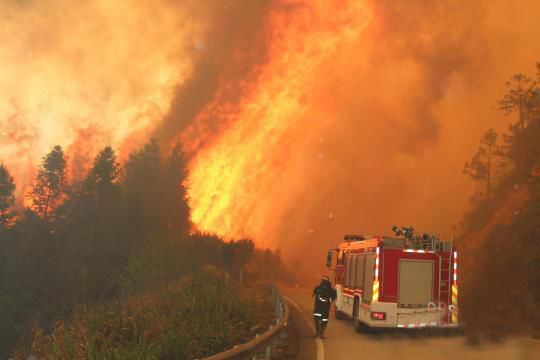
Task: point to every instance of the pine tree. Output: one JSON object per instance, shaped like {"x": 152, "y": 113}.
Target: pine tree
{"x": 521, "y": 92}
{"x": 483, "y": 163}
{"x": 7, "y": 198}
{"x": 175, "y": 209}
{"x": 142, "y": 183}
{"x": 51, "y": 183}
{"x": 96, "y": 220}
{"x": 522, "y": 97}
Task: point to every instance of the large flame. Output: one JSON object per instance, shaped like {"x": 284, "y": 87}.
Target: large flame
{"x": 303, "y": 119}
{"x": 238, "y": 182}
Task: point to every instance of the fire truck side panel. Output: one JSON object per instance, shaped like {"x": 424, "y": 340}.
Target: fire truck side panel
{"x": 389, "y": 278}
{"x": 357, "y": 281}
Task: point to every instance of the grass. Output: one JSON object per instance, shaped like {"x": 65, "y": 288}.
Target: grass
{"x": 191, "y": 318}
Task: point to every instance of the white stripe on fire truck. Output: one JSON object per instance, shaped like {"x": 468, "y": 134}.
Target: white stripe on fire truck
{"x": 454, "y": 295}
{"x": 375, "y": 289}
{"x": 419, "y": 251}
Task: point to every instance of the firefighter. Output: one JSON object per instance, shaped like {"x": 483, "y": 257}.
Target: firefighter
{"x": 324, "y": 294}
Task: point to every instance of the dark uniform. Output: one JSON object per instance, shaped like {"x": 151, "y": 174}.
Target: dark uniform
{"x": 324, "y": 294}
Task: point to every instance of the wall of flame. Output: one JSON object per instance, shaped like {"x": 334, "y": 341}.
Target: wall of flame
{"x": 303, "y": 120}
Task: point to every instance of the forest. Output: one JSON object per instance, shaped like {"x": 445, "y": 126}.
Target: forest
{"x": 117, "y": 241}
{"x": 500, "y": 234}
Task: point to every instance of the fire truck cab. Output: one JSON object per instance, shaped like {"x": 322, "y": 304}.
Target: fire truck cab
{"x": 395, "y": 282}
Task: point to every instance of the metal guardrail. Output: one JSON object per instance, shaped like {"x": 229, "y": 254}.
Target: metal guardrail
{"x": 262, "y": 345}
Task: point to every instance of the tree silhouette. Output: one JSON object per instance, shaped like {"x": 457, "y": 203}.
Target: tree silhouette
{"x": 96, "y": 219}
{"x": 236, "y": 255}
{"x": 7, "y": 198}
{"x": 51, "y": 183}
{"x": 174, "y": 203}
{"x": 142, "y": 184}
{"x": 520, "y": 99}
{"x": 482, "y": 164}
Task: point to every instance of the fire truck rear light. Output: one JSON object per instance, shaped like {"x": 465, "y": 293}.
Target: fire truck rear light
{"x": 378, "y": 316}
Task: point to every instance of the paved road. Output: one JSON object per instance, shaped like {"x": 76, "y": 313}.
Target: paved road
{"x": 342, "y": 342}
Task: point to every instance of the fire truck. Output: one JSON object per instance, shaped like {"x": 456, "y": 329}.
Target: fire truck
{"x": 405, "y": 281}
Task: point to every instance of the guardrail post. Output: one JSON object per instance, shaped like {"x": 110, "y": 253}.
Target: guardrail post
{"x": 270, "y": 346}
{"x": 255, "y": 357}
{"x": 268, "y": 352}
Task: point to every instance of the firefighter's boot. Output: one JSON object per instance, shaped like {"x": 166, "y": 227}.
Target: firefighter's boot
{"x": 317, "y": 327}
{"x": 323, "y": 327}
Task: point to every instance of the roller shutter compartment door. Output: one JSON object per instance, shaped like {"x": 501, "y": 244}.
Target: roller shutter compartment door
{"x": 415, "y": 286}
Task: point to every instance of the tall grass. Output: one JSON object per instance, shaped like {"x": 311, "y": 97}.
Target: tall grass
{"x": 191, "y": 318}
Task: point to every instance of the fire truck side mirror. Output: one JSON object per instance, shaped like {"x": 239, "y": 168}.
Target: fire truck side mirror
{"x": 329, "y": 258}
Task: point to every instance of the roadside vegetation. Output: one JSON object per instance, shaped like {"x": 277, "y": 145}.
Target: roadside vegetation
{"x": 188, "y": 319}
{"x": 102, "y": 264}
{"x": 500, "y": 234}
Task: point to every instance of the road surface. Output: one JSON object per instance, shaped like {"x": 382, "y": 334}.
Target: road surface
{"x": 342, "y": 342}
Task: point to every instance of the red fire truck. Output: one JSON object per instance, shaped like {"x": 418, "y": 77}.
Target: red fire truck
{"x": 407, "y": 281}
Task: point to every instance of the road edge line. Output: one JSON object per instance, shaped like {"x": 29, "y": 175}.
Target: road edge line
{"x": 320, "y": 345}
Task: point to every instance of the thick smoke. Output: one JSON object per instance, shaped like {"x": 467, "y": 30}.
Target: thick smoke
{"x": 411, "y": 98}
